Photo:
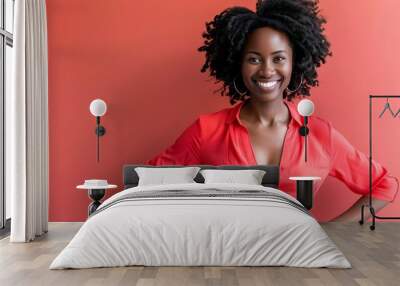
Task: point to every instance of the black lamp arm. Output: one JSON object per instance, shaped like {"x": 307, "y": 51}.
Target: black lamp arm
{"x": 304, "y": 130}
{"x": 100, "y": 130}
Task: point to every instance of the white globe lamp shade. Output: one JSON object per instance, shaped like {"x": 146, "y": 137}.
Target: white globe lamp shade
{"x": 305, "y": 107}
{"x": 98, "y": 107}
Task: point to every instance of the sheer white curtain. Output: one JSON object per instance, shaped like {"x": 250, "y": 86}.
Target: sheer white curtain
{"x": 27, "y": 124}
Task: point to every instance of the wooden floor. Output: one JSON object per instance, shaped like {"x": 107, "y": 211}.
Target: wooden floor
{"x": 375, "y": 257}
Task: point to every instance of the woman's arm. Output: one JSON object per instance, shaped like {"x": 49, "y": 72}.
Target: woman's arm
{"x": 351, "y": 166}
{"x": 354, "y": 213}
{"x": 185, "y": 151}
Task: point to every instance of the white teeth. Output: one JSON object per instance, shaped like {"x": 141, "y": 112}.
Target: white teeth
{"x": 268, "y": 84}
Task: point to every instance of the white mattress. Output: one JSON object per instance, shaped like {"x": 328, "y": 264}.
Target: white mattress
{"x": 189, "y": 231}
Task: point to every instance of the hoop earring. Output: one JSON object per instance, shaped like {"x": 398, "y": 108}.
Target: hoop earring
{"x": 237, "y": 90}
{"x": 293, "y": 91}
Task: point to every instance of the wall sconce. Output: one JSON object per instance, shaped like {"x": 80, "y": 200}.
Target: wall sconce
{"x": 98, "y": 108}
{"x": 305, "y": 108}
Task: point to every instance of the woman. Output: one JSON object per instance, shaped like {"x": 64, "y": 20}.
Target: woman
{"x": 264, "y": 59}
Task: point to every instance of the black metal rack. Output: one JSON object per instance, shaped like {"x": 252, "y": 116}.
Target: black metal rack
{"x": 370, "y": 206}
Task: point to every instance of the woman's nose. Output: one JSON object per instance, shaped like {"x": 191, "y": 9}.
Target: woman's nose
{"x": 267, "y": 70}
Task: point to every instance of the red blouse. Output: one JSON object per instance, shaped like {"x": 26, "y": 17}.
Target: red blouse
{"x": 221, "y": 138}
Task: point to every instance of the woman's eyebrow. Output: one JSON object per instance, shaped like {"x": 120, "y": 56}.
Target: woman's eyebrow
{"x": 280, "y": 51}
{"x": 253, "y": 52}
{"x": 273, "y": 53}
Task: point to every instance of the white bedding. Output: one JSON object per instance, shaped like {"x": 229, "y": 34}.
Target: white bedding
{"x": 182, "y": 231}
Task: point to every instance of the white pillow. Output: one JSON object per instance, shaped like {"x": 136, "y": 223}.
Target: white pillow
{"x": 162, "y": 176}
{"x": 248, "y": 177}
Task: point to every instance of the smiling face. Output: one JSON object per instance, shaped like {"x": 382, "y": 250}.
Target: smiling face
{"x": 267, "y": 64}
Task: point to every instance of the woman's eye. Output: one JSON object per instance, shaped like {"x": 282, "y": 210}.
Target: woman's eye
{"x": 254, "y": 60}
{"x": 279, "y": 59}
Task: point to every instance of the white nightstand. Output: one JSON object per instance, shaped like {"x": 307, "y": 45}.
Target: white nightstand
{"x": 304, "y": 190}
{"x": 96, "y": 193}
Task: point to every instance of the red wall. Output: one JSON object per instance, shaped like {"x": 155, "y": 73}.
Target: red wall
{"x": 141, "y": 58}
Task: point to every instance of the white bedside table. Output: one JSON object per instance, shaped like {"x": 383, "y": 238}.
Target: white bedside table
{"x": 96, "y": 193}
{"x": 304, "y": 190}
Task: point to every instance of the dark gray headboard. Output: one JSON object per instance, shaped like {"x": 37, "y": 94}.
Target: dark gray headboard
{"x": 271, "y": 177}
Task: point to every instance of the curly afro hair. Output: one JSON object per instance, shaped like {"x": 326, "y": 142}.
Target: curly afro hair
{"x": 226, "y": 35}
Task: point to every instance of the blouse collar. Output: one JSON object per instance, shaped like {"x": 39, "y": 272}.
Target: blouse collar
{"x": 235, "y": 112}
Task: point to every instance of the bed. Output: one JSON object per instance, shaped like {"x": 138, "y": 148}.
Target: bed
{"x": 201, "y": 224}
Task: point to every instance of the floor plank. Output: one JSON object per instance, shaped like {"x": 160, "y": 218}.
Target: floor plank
{"x": 374, "y": 255}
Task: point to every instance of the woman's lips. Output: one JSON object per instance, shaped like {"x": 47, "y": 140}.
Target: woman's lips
{"x": 268, "y": 86}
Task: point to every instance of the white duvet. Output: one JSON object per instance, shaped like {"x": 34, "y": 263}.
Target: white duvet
{"x": 183, "y": 231}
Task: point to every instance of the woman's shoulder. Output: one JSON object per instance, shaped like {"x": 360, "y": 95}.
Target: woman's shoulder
{"x": 320, "y": 122}
{"x": 218, "y": 118}
{"x": 313, "y": 120}
{"x": 319, "y": 127}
